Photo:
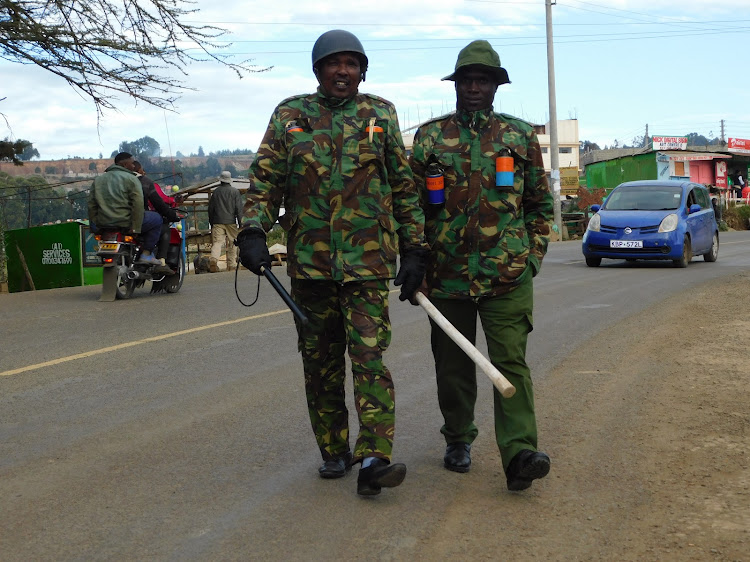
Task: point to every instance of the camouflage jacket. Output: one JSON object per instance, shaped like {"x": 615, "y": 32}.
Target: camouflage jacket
{"x": 339, "y": 169}
{"x": 484, "y": 237}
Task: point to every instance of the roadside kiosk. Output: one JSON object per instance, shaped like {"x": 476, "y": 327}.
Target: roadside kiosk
{"x": 52, "y": 256}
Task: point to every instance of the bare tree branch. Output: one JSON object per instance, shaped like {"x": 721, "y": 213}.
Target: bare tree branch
{"x": 103, "y": 48}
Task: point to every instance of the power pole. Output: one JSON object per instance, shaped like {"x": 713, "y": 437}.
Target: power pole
{"x": 553, "y": 148}
{"x": 645, "y": 138}
{"x": 722, "y": 132}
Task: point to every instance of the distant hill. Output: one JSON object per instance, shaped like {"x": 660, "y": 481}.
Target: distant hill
{"x": 81, "y": 168}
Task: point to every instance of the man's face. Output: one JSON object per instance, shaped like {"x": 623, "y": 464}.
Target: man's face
{"x": 128, "y": 164}
{"x": 475, "y": 89}
{"x": 339, "y": 75}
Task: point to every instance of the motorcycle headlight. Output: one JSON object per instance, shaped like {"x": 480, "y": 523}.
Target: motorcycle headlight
{"x": 595, "y": 223}
{"x": 669, "y": 223}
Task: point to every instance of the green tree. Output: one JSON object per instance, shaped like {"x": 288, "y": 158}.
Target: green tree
{"x": 143, "y": 148}
{"x": 200, "y": 152}
{"x": 29, "y": 152}
{"x": 588, "y": 146}
{"x": 213, "y": 166}
{"x": 30, "y": 201}
{"x": 13, "y": 151}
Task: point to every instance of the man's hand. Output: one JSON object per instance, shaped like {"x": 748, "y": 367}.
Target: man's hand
{"x": 172, "y": 216}
{"x": 253, "y": 250}
{"x": 411, "y": 273}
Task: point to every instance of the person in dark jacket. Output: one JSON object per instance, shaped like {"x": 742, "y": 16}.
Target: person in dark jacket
{"x": 116, "y": 199}
{"x": 151, "y": 196}
{"x": 224, "y": 215}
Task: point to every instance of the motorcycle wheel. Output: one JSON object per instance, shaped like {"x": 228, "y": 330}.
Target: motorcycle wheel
{"x": 125, "y": 286}
{"x": 174, "y": 282}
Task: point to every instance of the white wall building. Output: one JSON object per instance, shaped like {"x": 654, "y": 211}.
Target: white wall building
{"x": 567, "y": 143}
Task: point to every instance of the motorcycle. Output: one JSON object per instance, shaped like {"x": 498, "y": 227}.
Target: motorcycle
{"x": 122, "y": 274}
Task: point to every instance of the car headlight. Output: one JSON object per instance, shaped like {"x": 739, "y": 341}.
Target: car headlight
{"x": 669, "y": 223}
{"x": 595, "y": 223}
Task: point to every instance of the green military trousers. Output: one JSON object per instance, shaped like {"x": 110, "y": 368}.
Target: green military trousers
{"x": 506, "y": 321}
{"x": 351, "y": 316}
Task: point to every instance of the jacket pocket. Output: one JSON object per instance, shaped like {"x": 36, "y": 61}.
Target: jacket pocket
{"x": 365, "y": 142}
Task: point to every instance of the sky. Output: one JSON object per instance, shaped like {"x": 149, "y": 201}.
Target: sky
{"x": 674, "y": 66}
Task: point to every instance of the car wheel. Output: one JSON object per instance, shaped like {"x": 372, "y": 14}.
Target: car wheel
{"x": 713, "y": 254}
{"x": 687, "y": 254}
{"x": 593, "y": 262}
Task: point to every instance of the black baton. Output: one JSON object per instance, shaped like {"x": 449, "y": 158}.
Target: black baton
{"x": 286, "y": 297}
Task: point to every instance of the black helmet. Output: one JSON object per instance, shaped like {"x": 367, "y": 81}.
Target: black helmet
{"x": 338, "y": 41}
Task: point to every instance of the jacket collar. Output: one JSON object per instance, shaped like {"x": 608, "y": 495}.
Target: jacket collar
{"x": 330, "y": 101}
{"x": 474, "y": 119}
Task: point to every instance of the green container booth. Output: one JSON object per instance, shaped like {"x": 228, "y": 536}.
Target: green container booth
{"x": 52, "y": 256}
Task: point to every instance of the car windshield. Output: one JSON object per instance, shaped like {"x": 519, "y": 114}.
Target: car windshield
{"x": 644, "y": 198}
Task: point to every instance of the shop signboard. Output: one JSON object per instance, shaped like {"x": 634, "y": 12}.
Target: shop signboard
{"x": 721, "y": 174}
{"x": 741, "y": 146}
{"x": 569, "y": 181}
{"x": 669, "y": 143}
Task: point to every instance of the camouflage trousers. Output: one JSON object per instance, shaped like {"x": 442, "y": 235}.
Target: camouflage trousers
{"x": 351, "y": 316}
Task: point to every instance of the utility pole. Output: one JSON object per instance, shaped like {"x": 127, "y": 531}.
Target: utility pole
{"x": 722, "y": 133}
{"x": 553, "y": 148}
{"x": 645, "y": 138}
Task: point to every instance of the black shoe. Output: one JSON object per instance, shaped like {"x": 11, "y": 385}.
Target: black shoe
{"x": 526, "y": 466}
{"x": 378, "y": 475}
{"x": 457, "y": 457}
{"x": 336, "y": 468}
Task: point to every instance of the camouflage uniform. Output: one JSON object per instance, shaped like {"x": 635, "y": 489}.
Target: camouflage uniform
{"x": 487, "y": 243}
{"x": 339, "y": 168}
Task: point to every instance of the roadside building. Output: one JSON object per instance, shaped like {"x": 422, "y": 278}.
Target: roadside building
{"x": 667, "y": 158}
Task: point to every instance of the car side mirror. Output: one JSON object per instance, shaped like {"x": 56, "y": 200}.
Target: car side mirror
{"x": 694, "y": 208}
{"x": 595, "y": 208}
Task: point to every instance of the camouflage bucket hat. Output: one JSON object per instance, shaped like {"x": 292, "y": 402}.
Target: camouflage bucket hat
{"x": 480, "y": 53}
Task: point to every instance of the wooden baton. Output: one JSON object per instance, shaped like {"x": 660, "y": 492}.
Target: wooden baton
{"x": 501, "y": 383}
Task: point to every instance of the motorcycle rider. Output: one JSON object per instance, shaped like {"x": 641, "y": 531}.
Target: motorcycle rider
{"x": 152, "y": 199}
{"x": 116, "y": 199}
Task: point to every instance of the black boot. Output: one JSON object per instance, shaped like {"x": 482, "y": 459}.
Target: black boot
{"x": 378, "y": 475}
{"x": 336, "y": 467}
{"x": 457, "y": 457}
{"x": 526, "y": 466}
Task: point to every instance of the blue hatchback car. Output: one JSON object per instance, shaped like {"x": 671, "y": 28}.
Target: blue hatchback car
{"x": 653, "y": 220}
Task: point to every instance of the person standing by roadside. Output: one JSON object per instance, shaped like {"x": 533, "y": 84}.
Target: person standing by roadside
{"x": 224, "y": 215}
{"x": 489, "y": 209}
{"x": 113, "y": 202}
{"x": 336, "y": 161}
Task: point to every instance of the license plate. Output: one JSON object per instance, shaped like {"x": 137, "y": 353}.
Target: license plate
{"x": 626, "y": 243}
{"x": 108, "y": 247}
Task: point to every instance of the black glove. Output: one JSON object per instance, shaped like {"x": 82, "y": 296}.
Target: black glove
{"x": 172, "y": 216}
{"x": 411, "y": 273}
{"x": 253, "y": 250}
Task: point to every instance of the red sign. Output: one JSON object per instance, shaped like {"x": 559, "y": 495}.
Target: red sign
{"x": 721, "y": 174}
{"x": 738, "y": 145}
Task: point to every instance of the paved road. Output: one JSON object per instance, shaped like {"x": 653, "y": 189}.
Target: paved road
{"x": 173, "y": 427}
